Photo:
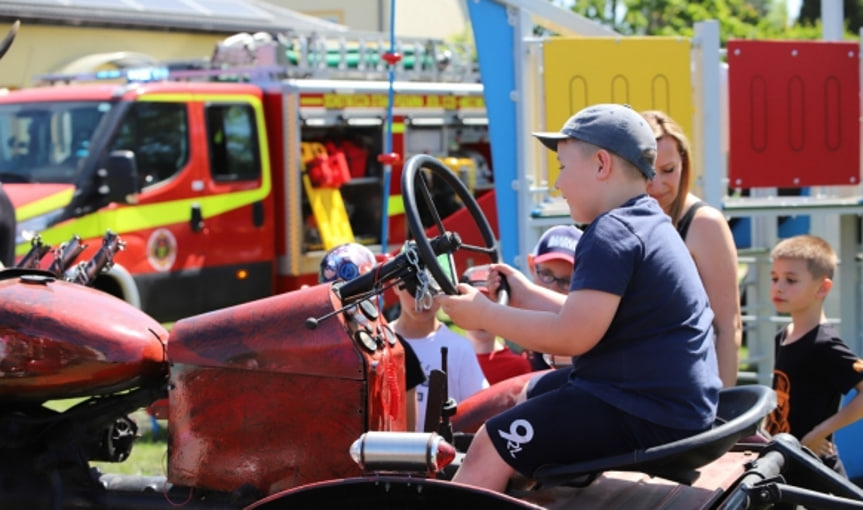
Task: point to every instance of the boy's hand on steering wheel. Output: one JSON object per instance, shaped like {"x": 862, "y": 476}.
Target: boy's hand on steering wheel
{"x": 467, "y": 309}
{"x": 516, "y": 281}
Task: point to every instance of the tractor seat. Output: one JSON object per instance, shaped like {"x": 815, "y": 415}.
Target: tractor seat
{"x": 740, "y": 411}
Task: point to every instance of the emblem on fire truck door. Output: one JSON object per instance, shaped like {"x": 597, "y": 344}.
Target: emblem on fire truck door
{"x": 162, "y": 249}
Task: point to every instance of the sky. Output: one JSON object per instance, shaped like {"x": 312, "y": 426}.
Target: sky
{"x": 793, "y": 8}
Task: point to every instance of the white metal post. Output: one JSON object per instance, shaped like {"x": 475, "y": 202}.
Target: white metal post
{"x": 707, "y": 124}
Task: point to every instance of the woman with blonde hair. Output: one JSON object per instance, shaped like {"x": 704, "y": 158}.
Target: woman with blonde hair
{"x": 706, "y": 233}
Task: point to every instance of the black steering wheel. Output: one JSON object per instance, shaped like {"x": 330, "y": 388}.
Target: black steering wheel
{"x": 414, "y": 183}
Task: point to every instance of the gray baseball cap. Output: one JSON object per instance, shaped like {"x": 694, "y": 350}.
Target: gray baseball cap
{"x": 613, "y": 127}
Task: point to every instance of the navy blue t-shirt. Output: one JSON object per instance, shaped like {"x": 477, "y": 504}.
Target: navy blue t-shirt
{"x": 657, "y": 359}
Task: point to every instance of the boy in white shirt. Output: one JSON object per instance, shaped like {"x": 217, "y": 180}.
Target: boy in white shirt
{"x": 426, "y": 334}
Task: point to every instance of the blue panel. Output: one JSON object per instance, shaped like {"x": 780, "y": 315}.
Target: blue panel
{"x": 792, "y": 226}
{"x": 849, "y": 442}
{"x": 494, "y": 38}
{"x": 741, "y": 229}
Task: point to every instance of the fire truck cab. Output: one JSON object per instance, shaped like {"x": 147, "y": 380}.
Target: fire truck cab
{"x": 228, "y": 179}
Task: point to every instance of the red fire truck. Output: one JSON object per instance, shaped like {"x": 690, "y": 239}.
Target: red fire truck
{"x": 227, "y": 179}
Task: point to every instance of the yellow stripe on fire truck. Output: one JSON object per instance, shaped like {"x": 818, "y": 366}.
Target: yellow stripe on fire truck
{"x": 44, "y": 205}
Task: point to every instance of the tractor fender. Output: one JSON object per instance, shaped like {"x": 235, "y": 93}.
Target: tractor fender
{"x": 389, "y": 491}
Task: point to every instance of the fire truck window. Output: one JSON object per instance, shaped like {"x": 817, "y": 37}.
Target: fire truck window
{"x": 46, "y": 141}
{"x": 234, "y": 154}
{"x": 158, "y": 135}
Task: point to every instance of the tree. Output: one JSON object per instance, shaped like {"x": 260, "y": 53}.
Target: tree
{"x": 810, "y": 14}
{"x": 738, "y": 19}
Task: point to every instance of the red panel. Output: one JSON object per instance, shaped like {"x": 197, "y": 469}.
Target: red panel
{"x": 259, "y": 399}
{"x": 794, "y": 113}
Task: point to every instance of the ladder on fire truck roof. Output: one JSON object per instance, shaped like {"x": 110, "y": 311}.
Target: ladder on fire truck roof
{"x": 317, "y": 55}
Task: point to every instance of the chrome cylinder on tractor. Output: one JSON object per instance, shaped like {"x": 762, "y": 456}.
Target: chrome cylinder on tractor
{"x": 417, "y": 452}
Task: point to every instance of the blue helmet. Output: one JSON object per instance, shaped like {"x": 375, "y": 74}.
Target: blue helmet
{"x": 346, "y": 262}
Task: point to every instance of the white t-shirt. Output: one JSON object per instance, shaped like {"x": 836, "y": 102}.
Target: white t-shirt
{"x": 464, "y": 375}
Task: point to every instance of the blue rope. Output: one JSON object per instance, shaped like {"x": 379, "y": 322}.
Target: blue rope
{"x": 388, "y": 139}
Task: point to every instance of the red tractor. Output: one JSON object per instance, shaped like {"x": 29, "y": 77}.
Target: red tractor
{"x": 297, "y": 401}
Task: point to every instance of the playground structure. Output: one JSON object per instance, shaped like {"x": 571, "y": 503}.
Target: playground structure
{"x": 775, "y": 127}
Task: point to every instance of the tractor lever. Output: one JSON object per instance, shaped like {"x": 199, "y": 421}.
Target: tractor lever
{"x": 440, "y": 406}
{"x": 312, "y": 322}
{"x": 101, "y": 261}
{"x": 65, "y": 255}
{"x": 31, "y": 259}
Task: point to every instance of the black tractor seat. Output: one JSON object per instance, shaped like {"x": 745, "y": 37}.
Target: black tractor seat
{"x": 740, "y": 411}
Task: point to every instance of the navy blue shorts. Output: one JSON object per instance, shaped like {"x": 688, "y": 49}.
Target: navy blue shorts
{"x": 561, "y": 423}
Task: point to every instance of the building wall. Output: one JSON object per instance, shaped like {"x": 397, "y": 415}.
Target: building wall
{"x": 357, "y": 14}
{"x": 418, "y": 18}
{"x": 442, "y": 19}
{"x": 40, "y": 49}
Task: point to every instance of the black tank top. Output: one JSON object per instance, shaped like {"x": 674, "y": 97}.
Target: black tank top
{"x": 686, "y": 219}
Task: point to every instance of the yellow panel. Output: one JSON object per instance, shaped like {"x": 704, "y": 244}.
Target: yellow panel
{"x": 646, "y": 73}
{"x": 334, "y": 226}
{"x": 327, "y": 205}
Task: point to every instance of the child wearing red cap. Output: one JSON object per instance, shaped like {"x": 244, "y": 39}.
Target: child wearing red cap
{"x": 551, "y": 264}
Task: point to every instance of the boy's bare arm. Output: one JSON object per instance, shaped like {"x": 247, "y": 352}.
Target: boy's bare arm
{"x": 816, "y": 439}
{"x": 573, "y": 330}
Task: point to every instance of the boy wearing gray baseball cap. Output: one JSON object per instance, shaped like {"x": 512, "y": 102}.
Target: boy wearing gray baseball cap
{"x": 636, "y": 317}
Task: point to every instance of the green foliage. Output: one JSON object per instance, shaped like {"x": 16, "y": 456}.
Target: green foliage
{"x": 810, "y": 13}
{"x": 738, "y": 19}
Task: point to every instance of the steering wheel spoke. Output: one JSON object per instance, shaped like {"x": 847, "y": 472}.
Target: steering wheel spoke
{"x": 426, "y": 195}
{"x": 491, "y": 252}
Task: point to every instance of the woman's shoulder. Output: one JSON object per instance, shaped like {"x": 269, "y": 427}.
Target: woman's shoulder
{"x": 709, "y": 231}
{"x": 704, "y": 213}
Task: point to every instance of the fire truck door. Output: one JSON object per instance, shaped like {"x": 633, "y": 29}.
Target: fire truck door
{"x": 240, "y": 224}
{"x": 163, "y": 252}
{"x": 204, "y": 216}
